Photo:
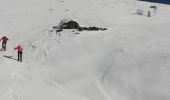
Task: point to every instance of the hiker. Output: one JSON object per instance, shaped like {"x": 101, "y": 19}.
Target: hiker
{"x": 4, "y": 42}
{"x": 20, "y": 51}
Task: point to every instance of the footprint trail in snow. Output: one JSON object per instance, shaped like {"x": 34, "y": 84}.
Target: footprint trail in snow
{"x": 13, "y": 92}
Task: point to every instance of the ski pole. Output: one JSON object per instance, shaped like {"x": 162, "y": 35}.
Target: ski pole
{"x": 13, "y": 53}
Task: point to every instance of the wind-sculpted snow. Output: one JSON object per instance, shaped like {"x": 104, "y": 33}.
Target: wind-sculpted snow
{"x": 143, "y": 77}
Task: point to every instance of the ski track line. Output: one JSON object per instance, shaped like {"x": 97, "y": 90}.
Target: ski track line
{"x": 103, "y": 90}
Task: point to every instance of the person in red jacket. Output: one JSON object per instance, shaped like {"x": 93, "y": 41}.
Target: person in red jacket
{"x": 20, "y": 51}
{"x": 4, "y": 42}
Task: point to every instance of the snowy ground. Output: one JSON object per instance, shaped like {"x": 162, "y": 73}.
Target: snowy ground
{"x": 130, "y": 61}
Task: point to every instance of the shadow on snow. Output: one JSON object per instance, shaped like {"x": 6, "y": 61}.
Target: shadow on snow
{"x": 9, "y": 57}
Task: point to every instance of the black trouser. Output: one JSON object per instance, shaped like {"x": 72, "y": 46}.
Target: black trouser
{"x": 20, "y": 56}
{"x": 4, "y": 46}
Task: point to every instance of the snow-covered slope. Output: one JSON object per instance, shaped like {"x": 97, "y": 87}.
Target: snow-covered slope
{"x": 129, "y": 61}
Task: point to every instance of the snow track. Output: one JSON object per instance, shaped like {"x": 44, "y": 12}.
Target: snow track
{"x": 13, "y": 92}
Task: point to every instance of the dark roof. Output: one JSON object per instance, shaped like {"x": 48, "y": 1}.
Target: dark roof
{"x": 158, "y": 1}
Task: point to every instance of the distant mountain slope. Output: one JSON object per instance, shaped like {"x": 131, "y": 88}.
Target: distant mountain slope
{"x": 158, "y": 1}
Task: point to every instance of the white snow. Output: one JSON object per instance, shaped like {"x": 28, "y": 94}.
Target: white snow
{"x": 129, "y": 61}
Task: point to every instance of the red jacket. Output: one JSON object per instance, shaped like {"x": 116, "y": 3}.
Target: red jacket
{"x": 4, "y": 39}
{"x": 19, "y": 48}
